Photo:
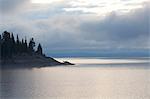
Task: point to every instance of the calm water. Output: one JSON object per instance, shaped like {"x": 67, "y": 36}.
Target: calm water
{"x": 91, "y": 78}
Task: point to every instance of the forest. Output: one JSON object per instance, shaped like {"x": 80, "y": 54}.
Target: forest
{"x": 9, "y": 46}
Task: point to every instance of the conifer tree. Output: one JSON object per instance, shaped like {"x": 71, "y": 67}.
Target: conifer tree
{"x": 13, "y": 44}
{"x": 18, "y": 45}
{"x": 13, "y": 39}
{"x": 10, "y": 47}
{"x": 6, "y": 45}
{"x": 26, "y": 45}
{"x": 39, "y": 50}
{"x": 22, "y": 46}
{"x": 31, "y": 46}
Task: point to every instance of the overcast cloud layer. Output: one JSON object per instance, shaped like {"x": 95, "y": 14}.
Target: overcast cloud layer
{"x": 71, "y": 24}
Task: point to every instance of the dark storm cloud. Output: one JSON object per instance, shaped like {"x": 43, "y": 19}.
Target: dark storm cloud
{"x": 121, "y": 29}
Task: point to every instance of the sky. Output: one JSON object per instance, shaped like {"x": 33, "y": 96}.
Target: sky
{"x": 77, "y": 26}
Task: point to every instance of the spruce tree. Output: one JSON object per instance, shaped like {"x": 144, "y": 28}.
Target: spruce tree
{"x": 31, "y": 46}
{"x": 10, "y": 47}
{"x": 6, "y": 45}
{"x": 17, "y": 45}
{"x": 26, "y": 45}
{"x": 39, "y": 49}
{"x": 13, "y": 44}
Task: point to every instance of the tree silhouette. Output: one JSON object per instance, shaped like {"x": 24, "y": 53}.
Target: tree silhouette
{"x": 18, "y": 45}
{"x": 39, "y": 50}
{"x": 26, "y": 45}
{"x": 6, "y": 45}
{"x": 10, "y": 47}
{"x": 31, "y": 46}
{"x": 13, "y": 44}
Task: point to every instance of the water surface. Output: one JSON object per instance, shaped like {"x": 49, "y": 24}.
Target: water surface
{"x": 90, "y": 78}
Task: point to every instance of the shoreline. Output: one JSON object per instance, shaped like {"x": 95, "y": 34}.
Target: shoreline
{"x": 31, "y": 61}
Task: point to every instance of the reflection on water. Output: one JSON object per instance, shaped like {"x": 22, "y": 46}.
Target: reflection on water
{"x": 77, "y": 82}
{"x": 105, "y": 60}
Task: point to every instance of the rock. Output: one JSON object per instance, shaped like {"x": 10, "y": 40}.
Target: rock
{"x": 34, "y": 61}
{"x": 67, "y": 63}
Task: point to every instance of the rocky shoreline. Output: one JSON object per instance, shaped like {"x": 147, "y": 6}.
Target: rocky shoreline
{"x": 16, "y": 53}
{"x": 31, "y": 61}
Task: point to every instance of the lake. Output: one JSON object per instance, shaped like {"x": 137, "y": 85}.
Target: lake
{"x": 90, "y": 78}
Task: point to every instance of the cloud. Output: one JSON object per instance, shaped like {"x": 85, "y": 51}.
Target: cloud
{"x": 58, "y": 29}
{"x": 130, "y": 30}
{"x": 9, "y": 6}
{"x": 45, "y": 1}
{"x": 100, "y": 7}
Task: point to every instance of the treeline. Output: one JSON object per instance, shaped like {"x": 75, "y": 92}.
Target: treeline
{"x": 9, "y": 46}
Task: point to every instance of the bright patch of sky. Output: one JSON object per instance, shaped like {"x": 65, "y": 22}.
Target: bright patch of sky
{"x": 97, "y": 7}
{"x": 45, "y": 1}
{"x": 100, "y": 7}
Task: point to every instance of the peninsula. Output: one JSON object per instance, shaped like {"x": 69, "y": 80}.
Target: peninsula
{"x": 16, "y": 53}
